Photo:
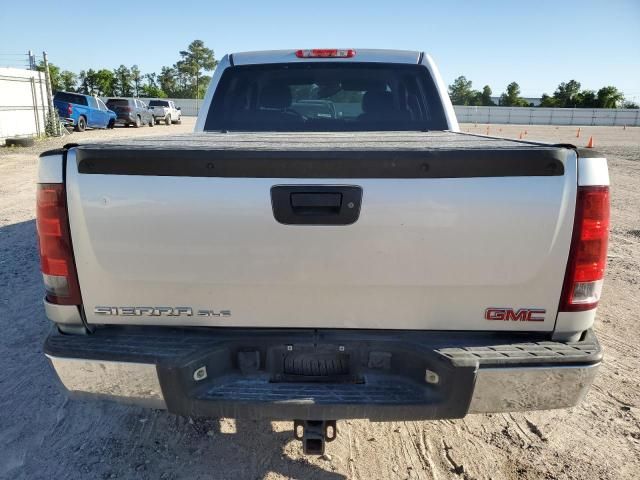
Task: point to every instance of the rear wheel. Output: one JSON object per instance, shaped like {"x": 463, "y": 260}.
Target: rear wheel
{"x": 167, "y": 120}
{"x": 20, "y": 142}
{"x": 111, "y": 124}
{"x": 179, "y": 122}
{"x": 81, "y": 125}
{"x": 152, "y": 121}
{"x": 138, "y": 122}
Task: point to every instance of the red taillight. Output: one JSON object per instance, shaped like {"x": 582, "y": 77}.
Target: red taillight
{"x": 69, "y": 109}
{"x": 588, "y": 254}
{"x": 326, "y": 53}
{"x": 56, "y": 255}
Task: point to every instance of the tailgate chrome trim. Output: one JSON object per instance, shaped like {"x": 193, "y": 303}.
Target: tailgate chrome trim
{"x": 530, "y": 388}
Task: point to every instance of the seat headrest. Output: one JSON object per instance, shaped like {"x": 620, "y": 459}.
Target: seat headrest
{"x": 377, "y": 102}
{"x": 275, "y": 95}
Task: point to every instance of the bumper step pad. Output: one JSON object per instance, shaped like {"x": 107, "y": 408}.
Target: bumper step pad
{"x": 377, "y": 391}
{"x": 524, "y": 353}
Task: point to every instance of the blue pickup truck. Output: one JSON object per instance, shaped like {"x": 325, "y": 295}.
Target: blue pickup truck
{"x": 82, "y": 111}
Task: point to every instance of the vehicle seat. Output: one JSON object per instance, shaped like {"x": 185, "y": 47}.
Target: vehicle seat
{"x": 275, "y": 103}
{"x": 377, "y": 106}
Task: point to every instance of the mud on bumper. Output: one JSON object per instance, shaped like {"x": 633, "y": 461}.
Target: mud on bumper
{"x": 324, "y": 374}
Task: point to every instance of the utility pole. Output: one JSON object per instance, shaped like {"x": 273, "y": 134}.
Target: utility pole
{"x": 47, "y": 80}
{"x": 197, "y": 86}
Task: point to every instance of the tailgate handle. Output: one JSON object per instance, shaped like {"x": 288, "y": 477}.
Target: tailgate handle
{"x": 316, "y": 204}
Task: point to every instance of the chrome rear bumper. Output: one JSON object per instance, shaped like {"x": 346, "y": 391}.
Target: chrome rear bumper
{"x": 534, "y": 388}
{"x": 496, "y": 389}
{"x": 125, "y": 382}
{"x": 478, "y": 379}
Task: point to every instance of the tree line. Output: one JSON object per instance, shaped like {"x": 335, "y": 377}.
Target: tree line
{"x": 184, "y": 79}
{"x": 567, "y": 95}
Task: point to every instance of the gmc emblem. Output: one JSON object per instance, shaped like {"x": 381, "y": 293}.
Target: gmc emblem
{"x": 520, "y": 315}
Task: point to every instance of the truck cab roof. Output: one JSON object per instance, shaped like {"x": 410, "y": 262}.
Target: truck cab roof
{"x": 360, "y": 55}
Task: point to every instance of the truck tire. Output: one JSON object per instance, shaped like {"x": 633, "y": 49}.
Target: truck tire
{"x": 179, "y": 122}
{"x": 81, "y": 125}
{"x": 138, "y": 121}
{"x": 152, "y": 121}
{"x": 20, "y": 142}
{"x": 167, "y": 120}
{"x": 111, "y": 124}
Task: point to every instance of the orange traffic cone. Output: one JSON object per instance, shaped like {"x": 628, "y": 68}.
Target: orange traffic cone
{"x": 591, "y": 143}
{"x": 578, "y": 133}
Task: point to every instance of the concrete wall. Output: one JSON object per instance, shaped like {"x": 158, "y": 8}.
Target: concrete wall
{"x": 535, "y": 100}
{"x": 549, "y": 116}
{"x": 23, "y": 103}
{"x": 505, "y": 115}
{"x": 514, "y": 115}
{"x": 189, "y": 106}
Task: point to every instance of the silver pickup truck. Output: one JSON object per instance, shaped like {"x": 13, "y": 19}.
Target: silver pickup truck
{"x": 165, "y": 111}
{"x": 372, "y": 263}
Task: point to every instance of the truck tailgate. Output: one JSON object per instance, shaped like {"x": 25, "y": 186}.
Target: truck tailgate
{"x": 453, "y": 232}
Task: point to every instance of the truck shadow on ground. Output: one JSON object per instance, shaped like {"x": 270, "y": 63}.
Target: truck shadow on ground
{"x": 43, "y": 434}
{"x": 209, "y": 448}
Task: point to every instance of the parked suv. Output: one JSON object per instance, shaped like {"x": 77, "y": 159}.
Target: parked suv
{"x": 166, "y": 111}
{"x": 81, "y": 111}
{"x": 131, "y": 111}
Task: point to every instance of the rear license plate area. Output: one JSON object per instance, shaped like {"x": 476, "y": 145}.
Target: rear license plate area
{"x": 315, "y": 367}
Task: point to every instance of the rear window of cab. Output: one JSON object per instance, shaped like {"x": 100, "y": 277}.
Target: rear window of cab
{"x": 326, "y": 96}
{"x": 71, "y": 98}
{"x": 121, "y": 102}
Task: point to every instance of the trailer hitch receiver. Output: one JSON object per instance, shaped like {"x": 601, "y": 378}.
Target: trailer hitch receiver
{"x": 314, "y": 434}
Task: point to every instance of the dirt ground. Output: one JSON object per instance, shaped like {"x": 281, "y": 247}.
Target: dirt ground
{"x": 44, "y": 435}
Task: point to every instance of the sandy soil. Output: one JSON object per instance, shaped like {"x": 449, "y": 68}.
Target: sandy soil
{"x": 44, "y": 435}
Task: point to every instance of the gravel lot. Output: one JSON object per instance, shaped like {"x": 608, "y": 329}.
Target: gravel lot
{"x": 44, "y": 435}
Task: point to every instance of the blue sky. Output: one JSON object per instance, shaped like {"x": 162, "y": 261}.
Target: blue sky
{"x": 536, "y": 43}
